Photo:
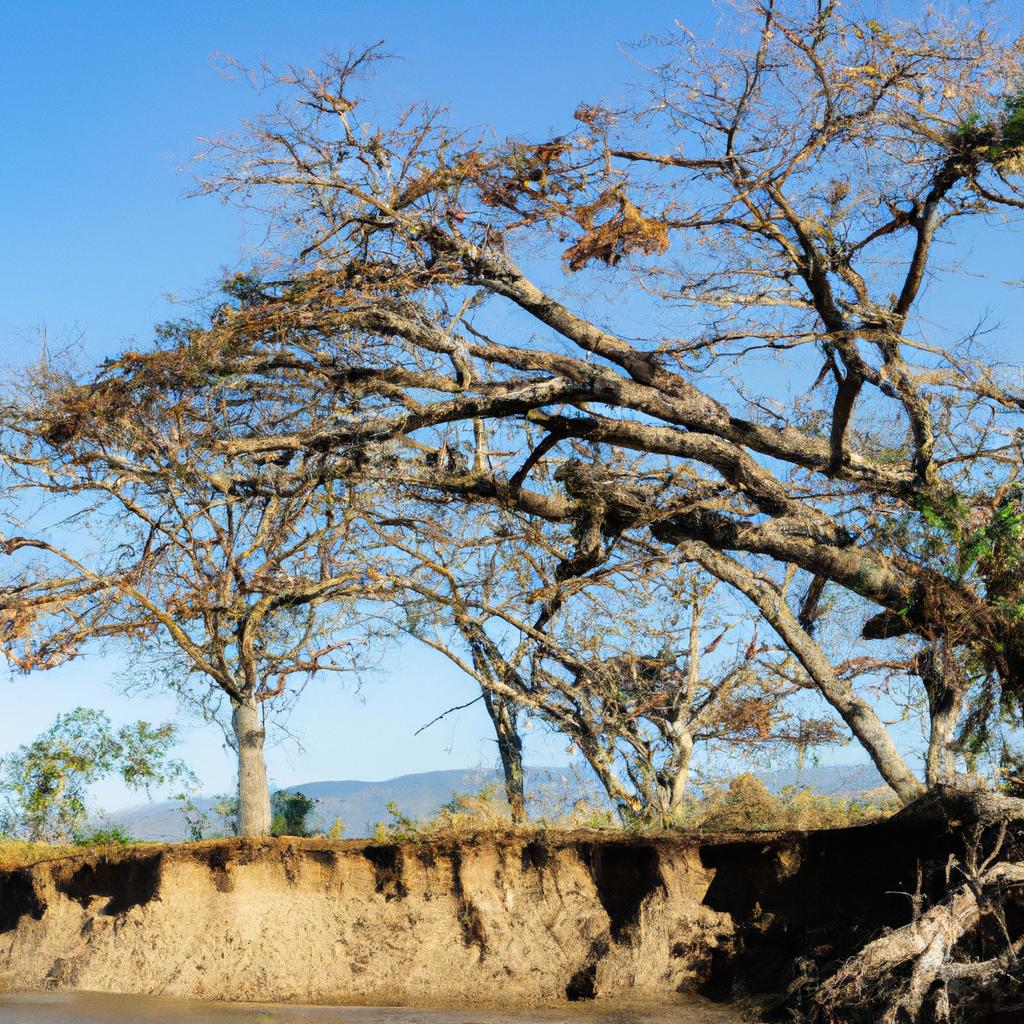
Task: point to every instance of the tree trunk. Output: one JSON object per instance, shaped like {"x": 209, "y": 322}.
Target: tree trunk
{"x": 253, "y": 791}
{"x": 678, "y": 773}
{"x": 860, "y": 716}
{"x": 945, "y": 688}
{"x": 510, "y": 748}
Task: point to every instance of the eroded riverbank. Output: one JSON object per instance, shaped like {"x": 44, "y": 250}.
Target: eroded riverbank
{"x": 501, "y": 921}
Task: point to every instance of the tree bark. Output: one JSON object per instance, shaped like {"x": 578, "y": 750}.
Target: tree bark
{"x": 510, "y": 749}
{"x": 945, "y": 688}
{"x": 253, "y": 791}
{"x": 675, "y": 788}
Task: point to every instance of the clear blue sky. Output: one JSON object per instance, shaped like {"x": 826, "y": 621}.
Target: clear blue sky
{"x": 102, "y": 106}
{"x": 103, "y": 103}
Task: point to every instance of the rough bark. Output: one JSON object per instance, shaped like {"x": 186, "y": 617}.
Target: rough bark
{"x": 946, "y": 689}
{"x": 674, "y": 791}
{"x": 253, "y": 791}
{"x": 510, "y": 749}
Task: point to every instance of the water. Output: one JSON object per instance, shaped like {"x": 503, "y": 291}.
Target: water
{"x": 98, "y": 1008}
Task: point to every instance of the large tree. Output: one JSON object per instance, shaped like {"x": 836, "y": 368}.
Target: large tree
{"x": 742, "y": 300}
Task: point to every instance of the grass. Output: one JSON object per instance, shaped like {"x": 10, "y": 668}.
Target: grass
{"x": 744, "y": 805}
{"x": 16, "y": 854}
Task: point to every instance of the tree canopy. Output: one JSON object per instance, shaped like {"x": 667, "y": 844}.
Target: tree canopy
{"x": 696, "y": 329}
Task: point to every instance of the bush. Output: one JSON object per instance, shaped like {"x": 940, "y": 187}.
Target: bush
{"x": 113, "y": 836}
{"x": 290, "y": 813}
{"x": 746, "y": 805}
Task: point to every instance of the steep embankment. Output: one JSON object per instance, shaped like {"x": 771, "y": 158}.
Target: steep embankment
{"x": 489, "y": 920}
{"x": 309, "y": 920}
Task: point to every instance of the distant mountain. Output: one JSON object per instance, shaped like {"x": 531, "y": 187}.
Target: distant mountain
{"x": 360, "y": 805}
{"x": 837, "y": 780}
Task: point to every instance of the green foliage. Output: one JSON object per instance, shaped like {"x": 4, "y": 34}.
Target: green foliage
{"x": 998, "y": 140}
{"x": 197, "y": 821}
{"x": 290, "y": 813}
{"x": 245, "y": 288}
{"x": 45, "y": 784}
{"x": 402, "y": 828}
{"x": 227, "y": 811}
{"x": 960, "y": 539}
{"x": 114, "y": 836}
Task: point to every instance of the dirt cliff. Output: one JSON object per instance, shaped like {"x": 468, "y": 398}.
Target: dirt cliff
{"x": 489, "y": 920}
{"x": 309, "y": 920}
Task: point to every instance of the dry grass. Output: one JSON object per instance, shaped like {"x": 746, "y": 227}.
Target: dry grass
{"x": 746, "y": 805}
{"x": 15, "y": 854}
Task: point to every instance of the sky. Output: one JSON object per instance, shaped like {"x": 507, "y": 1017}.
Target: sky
{"x": 102, "y": 107}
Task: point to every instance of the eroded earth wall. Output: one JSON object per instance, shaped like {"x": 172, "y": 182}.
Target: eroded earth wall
{"x": 489, "y": 921}
{"x": 492, "y": 919}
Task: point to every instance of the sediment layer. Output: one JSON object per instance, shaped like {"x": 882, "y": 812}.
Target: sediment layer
{"x": 488, "y": 920}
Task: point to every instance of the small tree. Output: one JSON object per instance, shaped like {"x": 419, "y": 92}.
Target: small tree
{"x": 291, "y": 811}
{"x": 45, "y": 783}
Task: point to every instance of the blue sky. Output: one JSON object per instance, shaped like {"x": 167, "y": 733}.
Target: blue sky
{"x": 103, "y": 103}
{"x": 102, "y": 106}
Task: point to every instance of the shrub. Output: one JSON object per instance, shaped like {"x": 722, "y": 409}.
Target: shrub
{"x": 290, "y": 813}
{"x": 113, "y": 836}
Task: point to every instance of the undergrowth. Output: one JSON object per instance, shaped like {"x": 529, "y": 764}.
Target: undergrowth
{"x": 744, "y": 804}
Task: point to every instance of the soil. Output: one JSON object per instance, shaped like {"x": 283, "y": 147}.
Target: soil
{"x": 489, "y": 920}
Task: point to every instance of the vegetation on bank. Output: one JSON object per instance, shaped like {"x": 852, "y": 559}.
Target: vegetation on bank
{"x": 653, "y": 428}
{"x": 743, "y": 805}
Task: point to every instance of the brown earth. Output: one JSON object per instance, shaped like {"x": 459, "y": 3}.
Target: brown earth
{"x": 491, "y": 919}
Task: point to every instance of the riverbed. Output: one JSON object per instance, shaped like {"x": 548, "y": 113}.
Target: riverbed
{"x": 100, "y": 1008}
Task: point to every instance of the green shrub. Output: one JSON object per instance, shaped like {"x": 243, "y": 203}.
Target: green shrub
{"x": 113, "y": 836}
{"x": 290, "y": 813}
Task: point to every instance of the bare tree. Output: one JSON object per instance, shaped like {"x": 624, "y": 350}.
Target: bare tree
{"x": 147, "y": 544}
{"x": 636, "y": 663}
{"x": 781, "y": 197}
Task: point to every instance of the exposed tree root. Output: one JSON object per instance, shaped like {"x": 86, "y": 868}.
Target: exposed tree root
{"x": 959, "y": 960}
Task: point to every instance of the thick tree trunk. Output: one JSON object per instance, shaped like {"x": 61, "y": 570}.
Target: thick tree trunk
{"x": 253, "y": 791}
{"x": 678, "y": 774}
{"x": 945, "y": 688}
{"x": 510, "y": 749}
{"x": 945, "y": 709}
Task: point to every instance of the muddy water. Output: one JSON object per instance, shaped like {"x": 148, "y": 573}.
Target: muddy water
{"x": 94, "y": 1008}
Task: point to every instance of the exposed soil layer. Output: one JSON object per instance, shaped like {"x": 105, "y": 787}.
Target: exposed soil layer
{"x": 490, "y": 920}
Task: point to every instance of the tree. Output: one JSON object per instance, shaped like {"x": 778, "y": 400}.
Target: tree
{"x": 234, "y": 591}
{"x": 622, "y": 661}
{"x": 290, "y": 813}
{"x": 781, "y": 198}
{"x": 45, "y": 783}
